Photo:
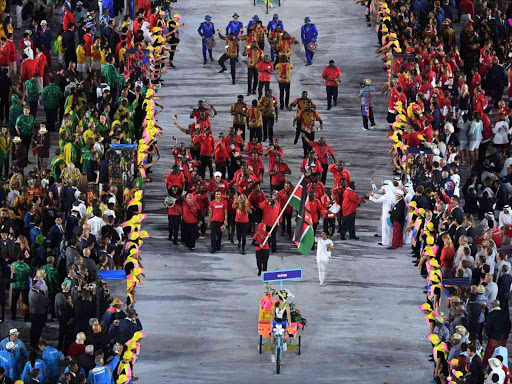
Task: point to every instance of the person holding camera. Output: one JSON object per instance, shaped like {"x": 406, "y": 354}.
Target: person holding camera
{"x": 366, "y": 94}
{"x": 332, "y": 76}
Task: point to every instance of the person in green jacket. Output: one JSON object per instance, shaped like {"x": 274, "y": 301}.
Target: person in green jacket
{"x": 22, "y": 273}
{"x": 51, "y": 96}
{"x": 32, "y": 92}
{"x": 15, "y": 110}
{"x": 25, "y": 127}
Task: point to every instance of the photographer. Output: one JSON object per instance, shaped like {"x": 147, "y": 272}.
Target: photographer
{"x": 366, "y": 94}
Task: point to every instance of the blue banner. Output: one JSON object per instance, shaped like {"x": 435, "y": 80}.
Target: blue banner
{"x": 112, "y": 275}
{"x": 289, "y": 274}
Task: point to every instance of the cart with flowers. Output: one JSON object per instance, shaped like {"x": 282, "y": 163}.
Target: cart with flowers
{"x": 266, "y": 304}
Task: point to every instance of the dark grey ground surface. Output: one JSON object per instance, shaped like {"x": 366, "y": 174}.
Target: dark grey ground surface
{"x": 200, "y": 310}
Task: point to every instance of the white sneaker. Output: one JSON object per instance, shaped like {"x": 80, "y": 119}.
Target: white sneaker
{"x": 273, "y": 358}
{"x": 321, "y": 283}
{"x": 285, "y": 347}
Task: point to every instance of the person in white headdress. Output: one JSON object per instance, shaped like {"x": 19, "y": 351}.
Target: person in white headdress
{"x": 505, "y": 224}
{"x": 387, "y": 199}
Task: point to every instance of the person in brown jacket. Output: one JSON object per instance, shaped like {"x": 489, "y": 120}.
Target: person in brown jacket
{"x": 19, "y": 154}
{"x": 42, "y": 146}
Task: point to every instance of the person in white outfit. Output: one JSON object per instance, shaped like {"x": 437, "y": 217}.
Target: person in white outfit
{"x": 324, "y": 247}
{"x": 505, "y": 224}
{"x": 388, "y": 200}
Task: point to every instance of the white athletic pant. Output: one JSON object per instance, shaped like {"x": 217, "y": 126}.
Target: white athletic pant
{"x": 322, "y": 269}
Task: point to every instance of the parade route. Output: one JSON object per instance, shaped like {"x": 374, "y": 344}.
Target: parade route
{"x": 200, "y": 310}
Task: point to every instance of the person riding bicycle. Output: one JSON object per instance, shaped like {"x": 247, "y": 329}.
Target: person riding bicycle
{"x": 280, "y": 315}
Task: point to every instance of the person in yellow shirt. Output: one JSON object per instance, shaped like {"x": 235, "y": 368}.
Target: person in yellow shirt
{"x": 60, "y": 49}
{"x": 283, "y": 69}
{"x": 230, "y": 53}
{"x": 254, "y": 56}
{"x": 255, "y": 120}
{"x": 5, "y": 150}
{"x": 96, "y": 52}
{"x": 80, "y": 59}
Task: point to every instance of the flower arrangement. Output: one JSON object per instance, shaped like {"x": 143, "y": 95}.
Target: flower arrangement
{"x": 297, "y": 316}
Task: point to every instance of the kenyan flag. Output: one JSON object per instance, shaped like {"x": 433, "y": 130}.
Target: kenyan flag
{"x": 297, "y": 195}
{"x": 303, "y": 236}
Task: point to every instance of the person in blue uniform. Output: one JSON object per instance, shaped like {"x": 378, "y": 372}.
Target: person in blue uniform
{"x": 252, "y": 22}
{"x": 206, "y": 30}
{"x": 308, "y": 34}
{"x": 271, "y": 27}
{"x": 236, "y": 27}
{"x": 272, "y": 24}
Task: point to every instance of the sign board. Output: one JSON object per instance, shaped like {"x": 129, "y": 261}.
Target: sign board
{"x": 288, "y": 274}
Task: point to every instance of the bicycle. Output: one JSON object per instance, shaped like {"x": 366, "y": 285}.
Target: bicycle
{"x": 278, "y": 333}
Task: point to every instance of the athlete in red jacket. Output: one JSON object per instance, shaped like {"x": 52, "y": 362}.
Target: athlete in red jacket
{"x": 349, "y": 207}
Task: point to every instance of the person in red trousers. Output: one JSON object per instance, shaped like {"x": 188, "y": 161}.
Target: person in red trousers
{"x": 398, "y": 220}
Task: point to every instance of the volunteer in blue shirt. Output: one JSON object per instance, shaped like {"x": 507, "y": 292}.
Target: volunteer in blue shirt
{"x": 308, "y": 34}
{"x": 206, "y": 30}
{"x": 102, "y": 374}
{"x": 51, "y": 357}
{"x": 20, "y": 350}
{"x": 366, "y": 94}
{"x": 7, "y": 361}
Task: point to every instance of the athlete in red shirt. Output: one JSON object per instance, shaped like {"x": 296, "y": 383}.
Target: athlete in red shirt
{"x": 218, "y": 216}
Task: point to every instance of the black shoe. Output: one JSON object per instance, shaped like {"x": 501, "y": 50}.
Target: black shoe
{"x": 390, "y": 248}
{"x": 354, "y": 238}
{"x": 204, "y": 62}
{"x": 171, "y": 65}
{"x": 233, "y": 82}
{"x": 329, "y": 108}
{"x": 259, "y": 273}
{"x": 239, "y": 245}
{"x": 376, "y": 235}
{"x": 281, "y": 108}
{"x": 211, "y": 59}
{"x": 243, "y": 251}
{"x": 335, "y": 103}
{"x": 175, "y": 242}
{"x": 381, "y": 244}
{"x": 342, "y": 238}
{"x": 213, "y": 250}
{"x": 169, "y": 238}
{"x": 223, "y": 70}
{"x": 248, "y": 93}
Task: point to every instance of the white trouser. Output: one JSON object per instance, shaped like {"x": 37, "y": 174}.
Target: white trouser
{"x": 40, "y": 84}
{"x": 322, "y": 269}
{"x": 18, "y": 16}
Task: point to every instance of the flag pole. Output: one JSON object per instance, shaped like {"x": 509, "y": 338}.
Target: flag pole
{"x": 282, "y": 211}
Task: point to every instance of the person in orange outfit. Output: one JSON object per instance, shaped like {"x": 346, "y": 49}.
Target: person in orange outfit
{"x": 265, "y": 70}
{"x": 349, "y": 207}
{"x": 307, "y": 118}
{"x": 283, "y": 69}
{"x": 262, "y": 252}
{"x": 231, "y": 54}
{"x": 254, "y": 57}
{"x": 332, "y": 76}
